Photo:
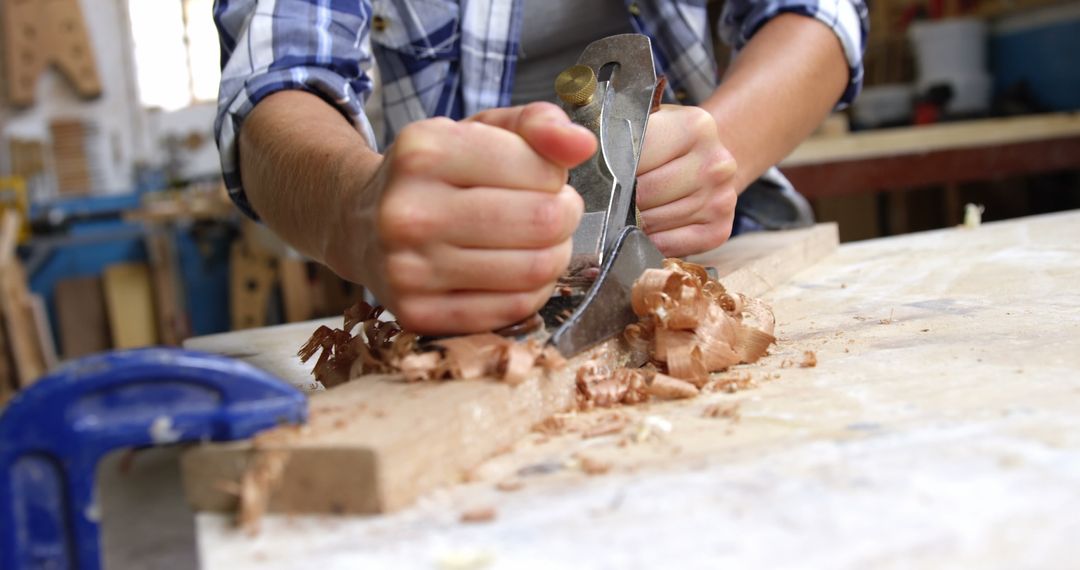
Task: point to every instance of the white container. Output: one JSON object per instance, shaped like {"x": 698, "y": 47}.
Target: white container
{"x": 944, "y": 48}
{"x": 953, "y": 51}
{"x": 883, "y": 104}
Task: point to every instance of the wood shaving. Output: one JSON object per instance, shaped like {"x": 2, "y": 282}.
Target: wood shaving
{"x": 689, "y": 326}
{"x": 555, "y": 425}
{"x": 382, "y": 347}
{"x": 731, "y": 383}
{"x": 592, "y": 466}
{"x": 257, "y": 485}
{"x": 478, "y": 515}
{"x": 719, "y": 410}
{"x": 607, "y": 425}
{"x": 510, "y": 485}
{"x": 809, "y": 359}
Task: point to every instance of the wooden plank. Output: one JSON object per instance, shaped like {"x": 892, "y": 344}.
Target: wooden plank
{"x": 15, "y": 304}
{"x": 904, "y": 171}
{"x": 375, "y": 444}
{"x": 251, "y": 281}
{"x": 924, "y": 139}
{"x": 172, "y": 319}
{"x": 8, "y": 380}
{"x": 130, "y": 304}
{"x": 295, "y": 289}
{"x": 81, "y": 315}
{"x": 44, "y": 331}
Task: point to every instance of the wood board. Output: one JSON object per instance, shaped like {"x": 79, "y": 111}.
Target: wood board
{"x": 17, "y": 307}
{"x": 130, "y": 303}
{"x": 80, "y": 313}
{"x": 375, "y": 444}
{"x": 42, "y": 33}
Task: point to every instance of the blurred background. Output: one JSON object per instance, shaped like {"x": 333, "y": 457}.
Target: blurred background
{"x": 117, "y": 232}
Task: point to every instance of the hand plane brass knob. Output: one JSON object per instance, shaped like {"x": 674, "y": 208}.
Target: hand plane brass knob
{"x": 576, "y": 85}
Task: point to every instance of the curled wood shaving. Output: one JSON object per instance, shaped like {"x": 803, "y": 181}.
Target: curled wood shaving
{"x": 694, "y": 325}
{"x": 375, "y": 348}
{"x": 257, "y": 485}
{"x": 382, "y": 347}
{"x": 688, "y": 326}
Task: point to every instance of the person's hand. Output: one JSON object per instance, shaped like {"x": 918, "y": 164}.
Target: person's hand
{"x": 686, "y": 182}
{"x": 474, "y": 219}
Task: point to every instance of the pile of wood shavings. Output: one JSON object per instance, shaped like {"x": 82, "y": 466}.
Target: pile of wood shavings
{"x": 689, "y": 326}
{"x": 382, "y": 347}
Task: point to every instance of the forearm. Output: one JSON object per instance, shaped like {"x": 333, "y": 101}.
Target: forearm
{"x": 777, "y": 91}
{"x": 298, "y": 158}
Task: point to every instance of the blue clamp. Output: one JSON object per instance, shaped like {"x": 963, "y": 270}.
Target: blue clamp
{"x": 53, "y": 434}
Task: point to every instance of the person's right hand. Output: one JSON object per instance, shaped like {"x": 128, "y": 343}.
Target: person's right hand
{"x": 474, "y": 219}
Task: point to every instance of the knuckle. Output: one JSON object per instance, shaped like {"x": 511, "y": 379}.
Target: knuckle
{"x": 543, "y": 268}
{"x": 547, "y": 220}
{"x": 714, "y": 235}
{"x": 702, "y": 122}
{"x": 418, "y": 149}
{"x": 404, "y": 273}
{"x": 414, "y": 314}
{"x": 404, "y": 221}
{"x": 517, "y": 306}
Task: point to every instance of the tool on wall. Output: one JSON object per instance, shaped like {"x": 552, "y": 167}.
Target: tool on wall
{"x": 611, "y": 91}
{"x": 40, "y": 33}
{"x": 53, "y": 434}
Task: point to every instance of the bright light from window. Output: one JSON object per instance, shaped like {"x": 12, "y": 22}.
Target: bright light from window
{"x": 173, "y": 71}
{"x": 203, "y": 49}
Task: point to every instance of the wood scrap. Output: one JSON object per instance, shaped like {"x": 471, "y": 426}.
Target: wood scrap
{"x": 43, "y": 33}
{"x": 81, "y": 315}
{"x": 129, "y": 300}
{"x": 16, "y": 306}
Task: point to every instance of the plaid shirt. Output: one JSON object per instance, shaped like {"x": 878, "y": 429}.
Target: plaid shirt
{"x": 456, "y": 57}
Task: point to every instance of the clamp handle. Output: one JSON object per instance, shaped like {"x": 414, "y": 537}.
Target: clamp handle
{"x": 53, "y": 434}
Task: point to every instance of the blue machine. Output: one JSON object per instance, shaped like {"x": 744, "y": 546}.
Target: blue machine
{"x": 53, "y": 434}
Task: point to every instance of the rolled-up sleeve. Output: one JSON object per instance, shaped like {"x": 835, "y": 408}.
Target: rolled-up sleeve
{"x": 318, "y": 46}
{"x": 848, "y": 19}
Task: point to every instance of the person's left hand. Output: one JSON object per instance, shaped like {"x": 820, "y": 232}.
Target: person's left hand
{"x": 686, "y": 182}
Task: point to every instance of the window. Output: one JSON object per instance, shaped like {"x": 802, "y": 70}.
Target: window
{"x": 176, "y": 52}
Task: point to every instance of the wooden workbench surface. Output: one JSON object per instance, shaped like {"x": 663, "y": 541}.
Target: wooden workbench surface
{"x": 940, "y": 427}
{"x": 929, "y": 138}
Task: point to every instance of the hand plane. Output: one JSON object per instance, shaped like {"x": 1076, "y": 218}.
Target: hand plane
{"x": 611, "y": 91}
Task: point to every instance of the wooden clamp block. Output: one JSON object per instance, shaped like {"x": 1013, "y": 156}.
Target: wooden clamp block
{"x": 40, "y": 33}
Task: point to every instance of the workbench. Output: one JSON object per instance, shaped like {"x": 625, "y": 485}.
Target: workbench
{"x": 940, "y": 427}
{"x": 947, "y": 153}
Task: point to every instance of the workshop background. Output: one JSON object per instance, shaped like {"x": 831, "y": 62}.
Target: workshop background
{"x": 117, "y": 232}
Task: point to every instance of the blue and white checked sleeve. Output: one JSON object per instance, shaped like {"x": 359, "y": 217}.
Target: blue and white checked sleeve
{"x": 848, "y": 19}
{"x": 319, "y": 46}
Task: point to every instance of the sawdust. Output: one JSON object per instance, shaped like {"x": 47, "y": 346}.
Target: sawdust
{"x": 257, "y": 485}
{"x": 607, "y": 424}
{"x": 591, "y": 465}
{"x": 510, "y": 485}
{"x": 478, "y": 515}
{"x": 720, "y": 410}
